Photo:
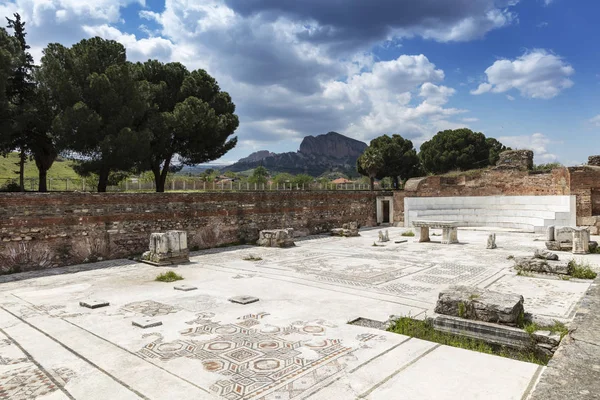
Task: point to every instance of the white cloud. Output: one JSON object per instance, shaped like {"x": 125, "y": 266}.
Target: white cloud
{"x": 137, "y": 49}
{"x": 509, "y": 97}
{"x": 595, "y": 120}
{"x": 536, "y": 74}
{"x": 470, "y": 120}
{"x": 284, "y": 86}
{"x": 538, "y": 142}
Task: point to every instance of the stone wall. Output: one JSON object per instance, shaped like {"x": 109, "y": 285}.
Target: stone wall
{"x": 516, "y": 159}
{"x": 42, "y": 230}
{"x": 582, "y": 182}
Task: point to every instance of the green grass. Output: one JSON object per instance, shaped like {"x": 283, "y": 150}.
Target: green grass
{"x": 556, "y": 328}
{"x": 595, "y": 250}
{"x": 408, "y": 233}
{"x": 581, "y": 270}
{"x": 252, "y": 258}
{"x": 521, "y": 272}
{"x": 424, "y": 330}
{"x": 60, "y": 169}
{"x": 169, "y": 276}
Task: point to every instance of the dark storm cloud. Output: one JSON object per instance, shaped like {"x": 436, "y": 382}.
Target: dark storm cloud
{"x": 358, "y": 21}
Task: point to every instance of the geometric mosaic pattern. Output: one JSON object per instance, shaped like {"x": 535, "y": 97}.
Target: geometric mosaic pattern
{"x": 450, "y": 274}
{"x": 366, "y": 274}
{"x": 25, "y": 383}
{"x": 255, "y": 358}
{"x": 150, "y": 308}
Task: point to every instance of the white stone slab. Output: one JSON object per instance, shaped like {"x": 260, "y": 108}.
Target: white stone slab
{"x": 452, "y": 381}
{"x": 146, "y": 323}
{"x": 243, "y": 299}
{"x": 185, "y": 288}
{"x": 94, "y": 303}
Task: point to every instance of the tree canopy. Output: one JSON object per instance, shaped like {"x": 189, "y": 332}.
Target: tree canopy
{"x": 459, "y": 149}
{"x": 259, "y": 175}
{"x": 188, "y": 115}
{"x": 369, "y": 163}
{"x": 393, "y": 157}
{"x": 101, "y": 105}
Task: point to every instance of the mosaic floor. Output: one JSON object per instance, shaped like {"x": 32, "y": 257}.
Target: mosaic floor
{"x": 294, "y": 343}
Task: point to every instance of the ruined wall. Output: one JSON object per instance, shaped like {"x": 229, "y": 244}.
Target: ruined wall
{"x": 491, "y": 183}
{"x": 41, "y": 230}
{"x": 583, "y": 182}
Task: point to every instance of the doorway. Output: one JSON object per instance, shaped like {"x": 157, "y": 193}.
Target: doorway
{"x": 386, "y": 211}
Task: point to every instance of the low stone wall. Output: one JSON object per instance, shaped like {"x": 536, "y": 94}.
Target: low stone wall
{"x": 42, "y": 230}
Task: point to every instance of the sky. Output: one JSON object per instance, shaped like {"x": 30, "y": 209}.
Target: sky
{"x": 526, "y": 72}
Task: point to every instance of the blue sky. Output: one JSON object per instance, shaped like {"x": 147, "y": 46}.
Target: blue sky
{"x": 524, "y": 71}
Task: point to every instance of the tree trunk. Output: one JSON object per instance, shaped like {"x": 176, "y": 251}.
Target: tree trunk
{"x": 160, "y": 185}
{"x": 103, "y": 180}
{"x": 372, "y": 183}
{"x": 160, "y": 177}
{"x": 22, "y": 158}
{"x": 396, "y": 183}
{"x": 43, "y": 184}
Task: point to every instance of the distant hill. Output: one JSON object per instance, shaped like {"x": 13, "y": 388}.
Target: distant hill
{"x": 317, "y": 155}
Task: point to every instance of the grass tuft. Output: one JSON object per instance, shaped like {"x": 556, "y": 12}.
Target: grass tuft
{"x": 408, "y": 233}
{"x": 556, "y": 328}
{"x": 522, "y": 272}
{"x": 252, "y": 258}
{"x": 424, "y": 330}
{"x": 581, "y": 270}
{"x": 169, "y": 276}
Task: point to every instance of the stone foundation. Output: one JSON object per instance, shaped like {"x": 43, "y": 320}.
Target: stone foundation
{"x": 167, "y": 249}
{"x": 276, "y": 238}
{"x": 481, "y": 305}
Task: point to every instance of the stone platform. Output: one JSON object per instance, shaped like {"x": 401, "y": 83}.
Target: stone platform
{"x": 294, "y": 343}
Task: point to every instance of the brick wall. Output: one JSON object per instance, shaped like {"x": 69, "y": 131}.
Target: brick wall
{"x": 41, "y": 230}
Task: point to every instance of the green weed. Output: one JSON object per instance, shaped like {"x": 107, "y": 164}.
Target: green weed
{"x": 424, "y": 330}
{"x": 169, "y": 276}
{"x": 581, "y": 270}
{"x": 408, "y": 233}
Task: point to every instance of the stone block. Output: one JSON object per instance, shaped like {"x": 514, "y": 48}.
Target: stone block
{"x": 515, "y": 159}
{"x": 244, "y": 299}
{"x": 167, "y": 248}
{"x": 347, "y": 230}
{"x": 581, "y": 241}
{"x": 276, "y": 238}
{"x": 185, "y": 288}
{"x": 545, "y": 255}
{"x": 563, "y": 234}
{"x": 481, "y": 305}
{"x": 550, "y": 233}
{"x": 491, "y": 242}
{"x": 94, "y": 303}
{"x": 532, "y": 264}
{"x": 146, "y": 323}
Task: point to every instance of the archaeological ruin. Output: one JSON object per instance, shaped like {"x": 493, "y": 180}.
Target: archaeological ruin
{"x": 483, "y": 282}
